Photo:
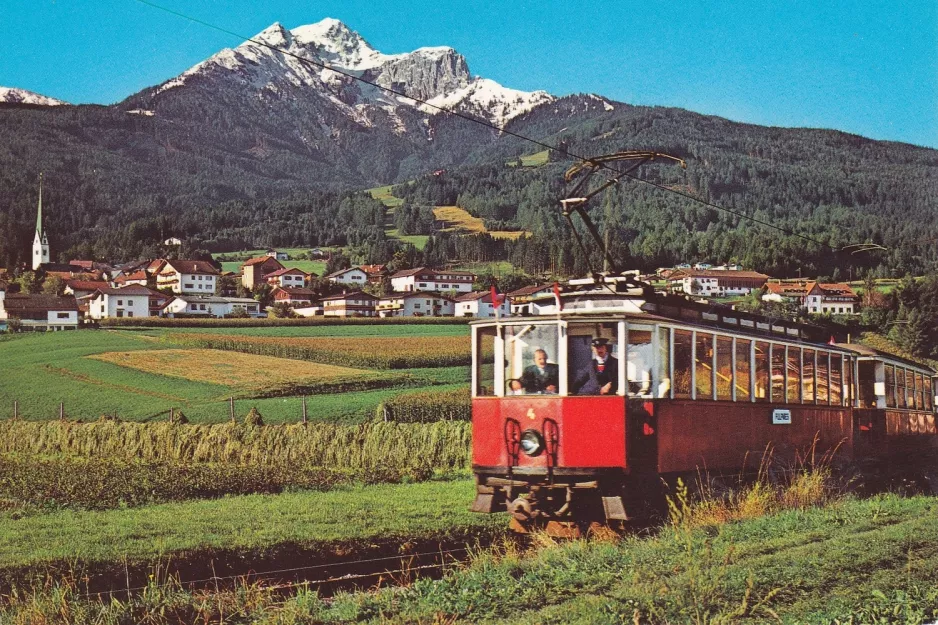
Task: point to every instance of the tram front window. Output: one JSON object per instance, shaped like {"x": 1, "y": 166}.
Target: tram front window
{"x": 531, "y": 360}
{"x": 593, "y": 358}
{"x": 484, "y": 356}
{"x": 641, "y": 357}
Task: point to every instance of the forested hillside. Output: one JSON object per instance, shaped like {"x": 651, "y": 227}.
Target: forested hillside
{"x": 224, "y": 175}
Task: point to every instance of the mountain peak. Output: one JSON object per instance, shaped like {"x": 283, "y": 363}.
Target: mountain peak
{"x": 21, "y": 96}
{"x": 333, "y": 37}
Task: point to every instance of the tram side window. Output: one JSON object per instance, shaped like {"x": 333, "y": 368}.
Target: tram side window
{"x": 850, "y": 395}
{"x": 743, "y": 376}
{"x": 641, "y": 358}
{"x": 794, "y": 374}
{"x": 778, "y": 373}
{"x": 762, "y": 371}
{"x": 683, "y": 361}
{"x": 531, "y": 359}
{"x": 725, "y": 368}
{"x": 664, "y": 362}
{"x": 866, "y": 384}
{"x": 837, "y": 381}
{"x": 900, "y": 387}
{"x": 822, "y": 379}
{"x": 704, "y": 365}
{"x": 919, "y": 392}
{"x": 807, "y": 376}
{"x": 485, "y": 362}
{"x": 909, "y": 389}
{"x": 929, "y": 398}
{"x": 891, "y": 386}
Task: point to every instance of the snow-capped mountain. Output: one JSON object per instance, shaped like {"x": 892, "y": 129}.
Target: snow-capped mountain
{"x": 21, "y": 96}
{"x": 319, "y": 62}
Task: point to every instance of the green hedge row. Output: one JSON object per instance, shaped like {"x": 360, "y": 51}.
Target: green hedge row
{"x": 166, "y": 322}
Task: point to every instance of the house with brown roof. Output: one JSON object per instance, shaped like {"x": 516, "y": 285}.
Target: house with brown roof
{"x": 354, "y": 276}
{"x": 835, "y": 298}
{"x": 191, "y": 277}
{"x": 520, "y": 299}
{"x": 81, "y": 288}
{"x": 375, "y": 273}
{"x": 716, "y": 282}
{"x": 353, "y": 304}
{"x": 479, "y": 304}
{"x": 40, "y": 313}
{"x": 288, "y": 278}
{"x": 256, "y": 270}
{"x": 138, "y": 277}
{"x": 294, "y": 296}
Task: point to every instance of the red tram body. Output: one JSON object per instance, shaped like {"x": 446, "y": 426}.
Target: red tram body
{"x": 698, "y": 389}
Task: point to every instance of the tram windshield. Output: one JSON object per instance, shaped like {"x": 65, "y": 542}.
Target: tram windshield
{"x": 531, "y": 360}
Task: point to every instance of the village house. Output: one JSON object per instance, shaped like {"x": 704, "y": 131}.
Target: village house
{"x": 256, "y": 270}
{"x": 187, "y": 277}
{"x": 138, "y": 277}
{"x": 520, "y": 299}
{"x": 294, "y": 296}
{"x": 81, "y": 288}
{"x": 716, "y": 283}
{"x": 128, "y": 301}
{"x": 39, "y": 313}
{"x": 288, "y": 278}
{"x": 425, "y": 279}
{"x": 416, "y": 304}
{"x": 272, "y": 253}
{"x": 814, "y": 297}
{"x": 211, "y": 306}
{"x": 354, "y": 276}
{"x": 375, "y": 273}
{"x": 479, "y": 304}
{"x": 353, "y": 304}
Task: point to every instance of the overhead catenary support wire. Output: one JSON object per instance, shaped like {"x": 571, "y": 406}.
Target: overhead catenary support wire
{"x": 475, "y": 120}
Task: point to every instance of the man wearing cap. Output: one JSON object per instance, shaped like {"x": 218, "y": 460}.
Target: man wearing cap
{"x": 601, "y": 375}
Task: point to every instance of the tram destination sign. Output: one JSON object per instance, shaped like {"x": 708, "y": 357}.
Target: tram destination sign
{"x": 781, "y": 416}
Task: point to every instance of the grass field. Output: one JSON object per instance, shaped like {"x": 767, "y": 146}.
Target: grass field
{"x": 245, "y": 523}
{"x": 383, "y": 195}
{"x": 42, "y": 370}
{"x": 532, "y": 160}
{"x": 456, "y": 218}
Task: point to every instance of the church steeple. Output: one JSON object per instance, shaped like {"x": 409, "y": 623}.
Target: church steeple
{"x": 41, "y": 240}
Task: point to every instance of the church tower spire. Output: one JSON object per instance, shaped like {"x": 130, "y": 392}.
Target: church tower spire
{"x": 41, "y": 240}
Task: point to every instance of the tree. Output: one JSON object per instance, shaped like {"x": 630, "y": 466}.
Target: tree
{"x": 28, "y": 282}
{"x": 53, "y": 285}
{"x": 282, "y": 310}
{"x": 264, "y": 294}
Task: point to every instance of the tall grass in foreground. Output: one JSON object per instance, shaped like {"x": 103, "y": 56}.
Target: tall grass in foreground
{"x": 444, "y": 445}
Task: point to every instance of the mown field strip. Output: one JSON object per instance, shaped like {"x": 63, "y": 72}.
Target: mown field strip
{"x": 245, "y": 523}
{"x": 376, "y": 352}
{"x": 244, "y": 371}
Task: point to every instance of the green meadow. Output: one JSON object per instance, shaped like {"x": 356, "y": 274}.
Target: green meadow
{"x": 42, "y": 370}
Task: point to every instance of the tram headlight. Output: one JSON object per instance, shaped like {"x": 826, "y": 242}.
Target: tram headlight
{"x": 532, "y": 443}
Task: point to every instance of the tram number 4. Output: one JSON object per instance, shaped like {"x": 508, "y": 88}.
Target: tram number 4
{"x": 781, "y": 417}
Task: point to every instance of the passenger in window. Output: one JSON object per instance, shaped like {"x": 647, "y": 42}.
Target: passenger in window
{"x": 540, "y": 377}
{"x": 601, "y": 374}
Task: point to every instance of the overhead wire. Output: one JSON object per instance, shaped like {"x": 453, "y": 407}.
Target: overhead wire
{"x": 485, "y": 123}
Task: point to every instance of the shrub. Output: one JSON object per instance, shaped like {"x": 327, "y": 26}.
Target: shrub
{"x": 427, "y": 407}
{"x": 254, "y": 417}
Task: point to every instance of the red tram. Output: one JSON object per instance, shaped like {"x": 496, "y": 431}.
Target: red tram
{"x": 579, "y": 411}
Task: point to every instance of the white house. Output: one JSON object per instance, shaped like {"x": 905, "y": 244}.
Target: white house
{"x": 128, "y": 301}
{"x": 40, "y": 313}
{"x": 814, "y": 297}
{"x": 353, "y": 275}
{"x": 417, "y": 304}
{"x": 278, "y": 255}
{"x": 188, "y": 277}
{"x": 716, "y": 283}
{"x": 211, "y": 306}
{"x": 425, "y": 279}
{"x": 520, "y": 299}
{"x": 287, "y": 278}
{"x": 293, "y": 295}
{"x": 479, "y": 304}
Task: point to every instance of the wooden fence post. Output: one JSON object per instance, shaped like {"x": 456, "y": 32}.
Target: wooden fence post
{"x": 304, "y": 409}
{"x": 16, "y": 409}
{"x": 231, "y": 408}
{"x": 61, "y": 411}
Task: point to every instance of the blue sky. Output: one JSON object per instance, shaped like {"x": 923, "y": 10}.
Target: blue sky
{"x": 869, "y": 68}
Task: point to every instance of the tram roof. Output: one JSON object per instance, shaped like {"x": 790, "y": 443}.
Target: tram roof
{"x": 866, "y": 351}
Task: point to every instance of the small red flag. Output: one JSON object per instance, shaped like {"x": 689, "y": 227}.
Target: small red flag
{"x": 832, "y": 341}
{"x": 495, "y": 303}
{"x": 557, "y": 297}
